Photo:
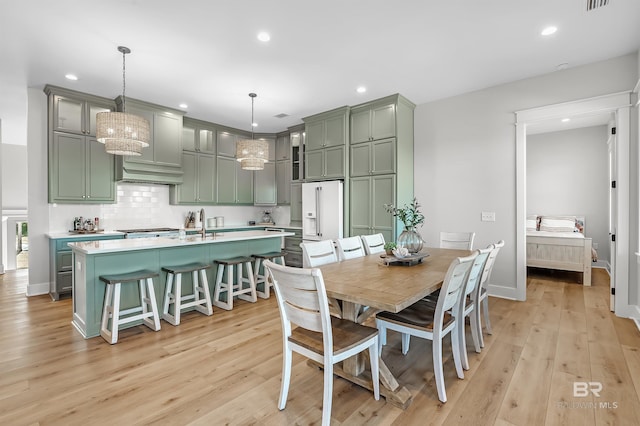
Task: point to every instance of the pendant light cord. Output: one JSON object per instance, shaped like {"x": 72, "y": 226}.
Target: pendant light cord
{"x": 124, "y": 102}
{"x": 253, "y": 97}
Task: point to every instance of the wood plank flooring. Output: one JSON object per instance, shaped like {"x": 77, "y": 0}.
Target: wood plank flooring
{"x": 225, "y": 369}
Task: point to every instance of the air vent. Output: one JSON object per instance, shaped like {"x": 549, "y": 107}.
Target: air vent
{"x": 595, "y": 4}
{"x": 281, "y": 115}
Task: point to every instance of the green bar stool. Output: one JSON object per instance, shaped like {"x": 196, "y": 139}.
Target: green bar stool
{"x": 244, "y": 287}
{"x": 262, "y": 278}
{"x": 200, "y": 298}
{"x": 147, "y": 311}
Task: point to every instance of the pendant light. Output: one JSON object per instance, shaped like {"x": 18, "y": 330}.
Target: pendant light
{"x": 252, "y": 153}
{"x": 122, "y": 133}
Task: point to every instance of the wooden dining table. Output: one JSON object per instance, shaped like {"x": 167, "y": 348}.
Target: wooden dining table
{"x": 359, "y": 288}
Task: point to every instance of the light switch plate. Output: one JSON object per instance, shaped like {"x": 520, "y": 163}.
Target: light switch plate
{"x": 488, "y": 216}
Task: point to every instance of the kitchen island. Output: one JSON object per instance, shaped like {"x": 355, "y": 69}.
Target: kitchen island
{"x": 91, "y": 259}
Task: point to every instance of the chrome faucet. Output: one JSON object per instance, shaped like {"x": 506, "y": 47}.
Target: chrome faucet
{"x": 204, "y": 231}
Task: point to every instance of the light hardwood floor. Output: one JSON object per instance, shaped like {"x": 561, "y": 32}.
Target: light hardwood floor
{"x": 225, "y": 369}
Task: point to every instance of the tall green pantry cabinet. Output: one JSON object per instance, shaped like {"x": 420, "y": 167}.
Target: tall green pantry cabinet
{"x": 380, "y": 164}
{"x": 80, "y": 171}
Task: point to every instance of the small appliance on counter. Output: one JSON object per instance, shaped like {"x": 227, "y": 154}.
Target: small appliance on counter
{"x": 86, "y": 226}
{"x": 219, "y": 221}
{"x": 266, "y": 218}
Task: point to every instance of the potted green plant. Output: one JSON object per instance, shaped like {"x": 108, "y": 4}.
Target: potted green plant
{"x": 410, "y": 216}
{"x": 389, "y": 247}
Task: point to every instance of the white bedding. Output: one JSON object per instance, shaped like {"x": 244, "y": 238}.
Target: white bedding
{"x": 555, "y": 234}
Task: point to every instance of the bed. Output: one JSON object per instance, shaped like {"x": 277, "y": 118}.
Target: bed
{"x": 559, "y": 242}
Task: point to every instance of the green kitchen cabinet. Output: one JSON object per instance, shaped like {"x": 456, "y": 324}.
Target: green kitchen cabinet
{"x": 80, "y": 171}
{"x": 60, "y": 262}
{"x": 161, "y": 161}
{"x": 373, "y": 121}
{"x": 198, "y": 185}
{"x": 75, "y": 112}
{"x": 373, "y": 158}
{"x": 367, "y": 212}
{"x": 234, "y": 185}
{"x": 283, "y": 182}
{"x": 297, "y": 138}
{"x": 296, "y": 203}
{"x": 328, "y": 163}
{"x": 198, "y": 136}
{"x": 227, "y": 143}
{"x": 283, "y": 147}
{"x": 265, "y": 186}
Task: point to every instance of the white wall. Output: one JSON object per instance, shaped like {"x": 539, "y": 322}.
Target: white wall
{"x": 465, "y": 159}
{"x": 14, "y": 177}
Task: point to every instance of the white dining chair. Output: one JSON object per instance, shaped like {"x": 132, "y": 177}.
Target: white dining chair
{"x": 423, "y": 319}
{"x": 350, "y": 248}
{"x": 457, "y": 240}
{"x": 483, "y": 295}
{"x": 468, "y": 307}
{"x": 327, "y": 340}
{"x": 373, "y": 243}
{"x": 318, "y": 253}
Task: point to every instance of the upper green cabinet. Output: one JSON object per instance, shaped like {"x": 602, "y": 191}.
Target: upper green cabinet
{"x": 199, "y": 179}
{"x": 80, "y": 171}
{"x": 198, "y": 136}
{"x": 75, "y": 113}
{"x": 373, "y": 158}
{"x": 325, "y": 141}
{"x": 283, "y": 147}
{"x": 373, "y": 121}
{"x": 161, "y": 161}
{"x": 234, "y": 185}
{"x": 265, "y": 186}
{"x": 297, "y": 139}
{"x": 227, "y": 143}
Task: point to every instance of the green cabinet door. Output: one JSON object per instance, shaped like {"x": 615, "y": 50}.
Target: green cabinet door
{"x": 360, "y": 125}
{"x": 283, "y": 147}
{"x": 68, "y": 115}
{"x": 382, "y": 192}
{"x": 189, "y": 138}
{"x": 167, "y": 132}
{"x": 335, "y": 131}
{"x": 265, "y": 185}
{"x": 283, "y": 182}
{"x": 187, "y": 191}
{"x": 383, "y": 121}
{"x": 360, "y": 159}
{"x": 206, "y": 178}
{"x": 383, "y": 156}
{"x": 334, "y": 162}
{"x": 244, "y": 185}
{"x": 226, "y": 180}
{"x": 314, "y": 164}
{"x": 100, "y": 179}
{"x": 226, "y": 144}
{"x": 359, "y": 208}
{"x": 296, "y": 202}
{"x": 314, "y": 135}
{"x": 373, "y": 121}
{"x": 67, "y": 168}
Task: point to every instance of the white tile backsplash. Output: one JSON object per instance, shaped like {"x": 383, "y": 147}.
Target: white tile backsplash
{"x": 147, "y": 206}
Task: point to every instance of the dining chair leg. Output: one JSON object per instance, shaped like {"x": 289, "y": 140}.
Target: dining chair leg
{"x": 406, "y": 339}
{"x": 286, "y": 378}
{"x": 382, "y": 336}
{"x": 485, "y": 308}
{"x": 462, "y": 342}
{"x": 477, "y": 313}
{"x": 374, "y": 356}
{"x": 456, "y": 351}
{"x": 328, "y": 394}
{"x": 474, "y": 329}
{"x": 438, "y": 369}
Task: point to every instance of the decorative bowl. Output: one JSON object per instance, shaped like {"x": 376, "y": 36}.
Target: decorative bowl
{"x": 400, "y": 252}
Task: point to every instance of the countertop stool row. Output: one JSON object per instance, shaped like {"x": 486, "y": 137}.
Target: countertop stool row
{"x": 251, "y": 281}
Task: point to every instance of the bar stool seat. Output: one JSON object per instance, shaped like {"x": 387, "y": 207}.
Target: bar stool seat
{"x": 261, "y": 278}
{"x": 173, "y": 296}
{"x": 231, "y": 289}
{"x": 147, "y": 311}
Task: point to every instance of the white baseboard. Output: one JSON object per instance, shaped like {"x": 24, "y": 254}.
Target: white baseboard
{"x": 502, "y": 292}
{"x": 37, "y": 289}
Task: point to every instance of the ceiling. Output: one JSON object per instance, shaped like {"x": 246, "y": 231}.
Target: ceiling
{"x": 206, "y": 54}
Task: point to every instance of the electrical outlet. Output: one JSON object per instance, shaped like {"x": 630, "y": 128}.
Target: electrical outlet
{"x": 595, "y": 246}
{"x": 488, "y": 216}
{"x": 78, "y": 266}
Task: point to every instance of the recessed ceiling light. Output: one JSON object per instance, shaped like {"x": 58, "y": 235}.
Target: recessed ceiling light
{"x": 184, "y": 106}
{"x": 549, "y": 30}
{"x": 562, "y": 66}
{"x": 361, "y": 89}
{"x": 71, "y": 77}
{"x": 566, "y": 120}
{"x": 264, "y": 36}
{"x": 254, "y": 124}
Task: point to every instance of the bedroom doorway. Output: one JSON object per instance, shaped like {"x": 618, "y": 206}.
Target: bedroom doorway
{"x": 618, "y": 105}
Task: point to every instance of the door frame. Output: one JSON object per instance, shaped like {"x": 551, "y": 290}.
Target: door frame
{"x": 617, "y": 103}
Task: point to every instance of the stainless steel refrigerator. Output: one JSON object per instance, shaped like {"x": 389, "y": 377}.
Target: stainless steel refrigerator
{"x": 322, "y": 210}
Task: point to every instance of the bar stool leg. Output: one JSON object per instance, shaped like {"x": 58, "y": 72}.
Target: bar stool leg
{"x": 148, "y": 298}
{"x": 115, "y": 314}
{"x": 259, "y": 279}
{"x": 252, "y": 284}
{"x": 168, "y": 299}
{"x": 221, "y": 287}
{"x": 107, "y": 313}
{"x": 202, "y": 286}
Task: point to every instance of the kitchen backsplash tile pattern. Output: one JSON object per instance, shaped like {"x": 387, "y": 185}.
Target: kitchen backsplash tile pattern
{"x": 147, "y": 206}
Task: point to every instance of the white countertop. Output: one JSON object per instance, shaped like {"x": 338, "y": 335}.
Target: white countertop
{"x": 110, "y": 246}
{"x": 61, "y": 235}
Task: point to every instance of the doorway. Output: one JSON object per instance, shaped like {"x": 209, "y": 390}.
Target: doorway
{"x": 618, "y": 105}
